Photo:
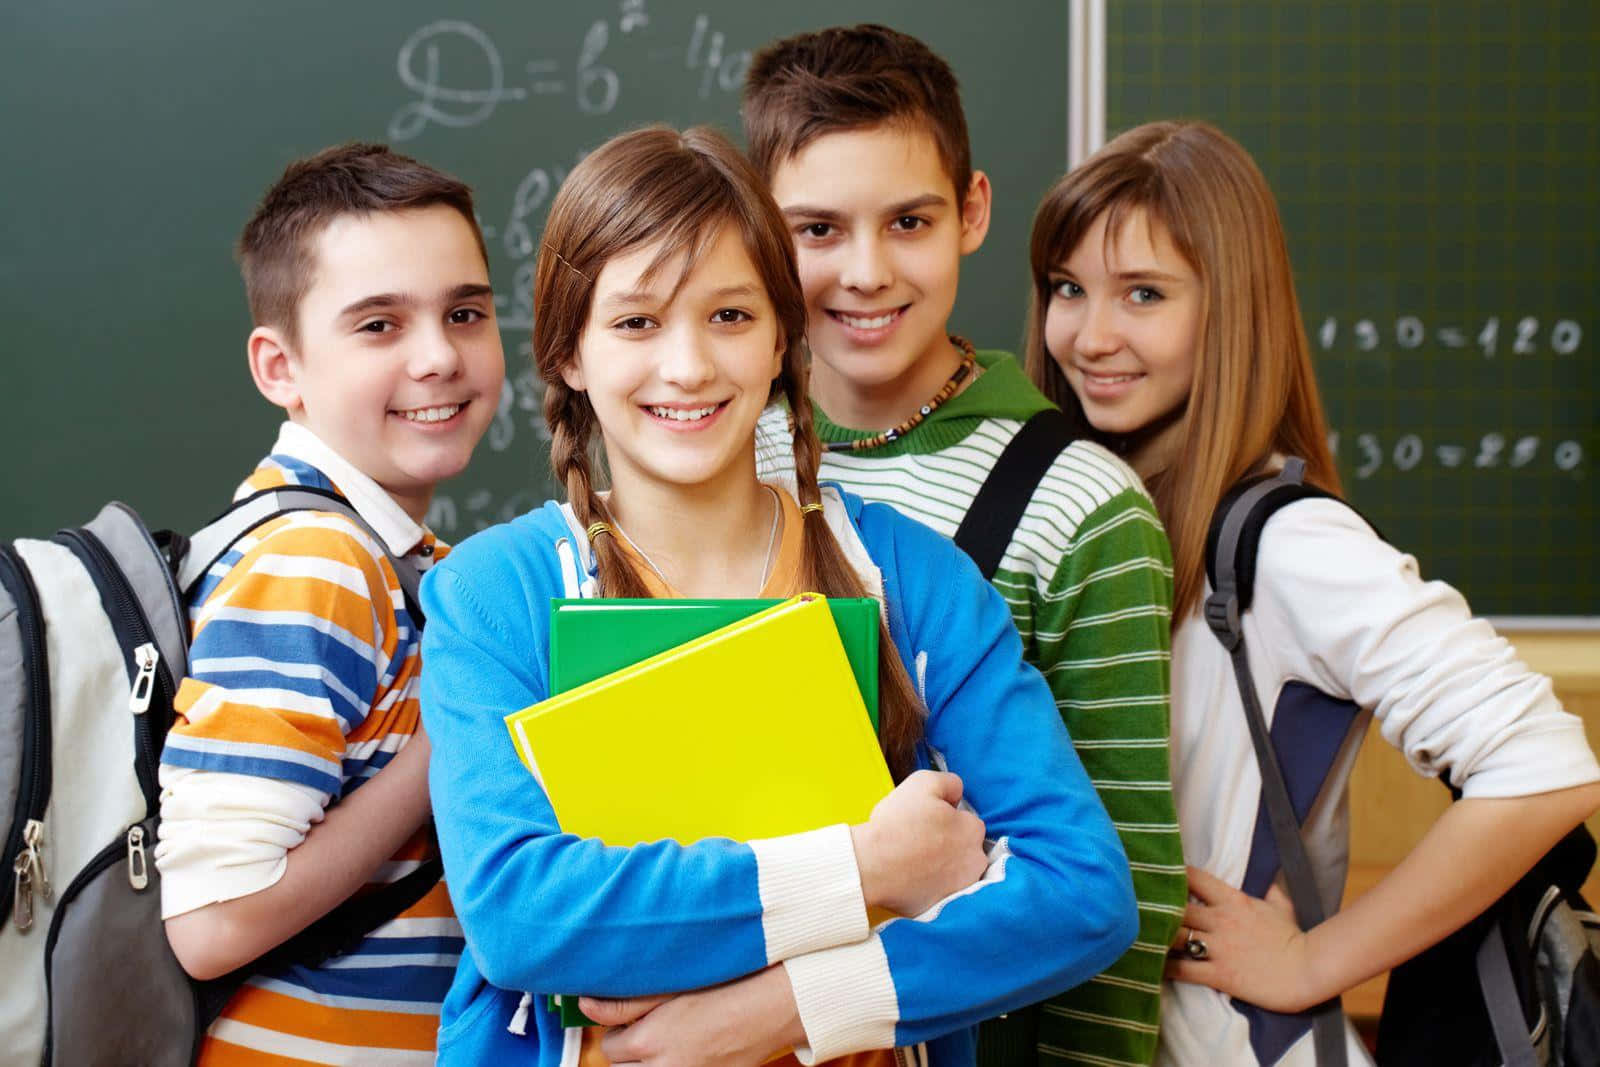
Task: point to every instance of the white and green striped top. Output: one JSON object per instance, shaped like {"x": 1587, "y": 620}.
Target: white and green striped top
{"x": 1088, "y": 576}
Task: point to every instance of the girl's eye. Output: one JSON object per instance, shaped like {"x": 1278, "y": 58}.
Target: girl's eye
{"x": 1066, "y": 289}
{"x": 377, "y": 326}
{"x": 1143, "y": 294}
{"x": 730, "y": 315}
{"x": 817, "y": 230}
{"x": 466, "y": 316}
{"x": 635, "y": 322}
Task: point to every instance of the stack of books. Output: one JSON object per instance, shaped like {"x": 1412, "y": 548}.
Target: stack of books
{"x": 690, "y": 719}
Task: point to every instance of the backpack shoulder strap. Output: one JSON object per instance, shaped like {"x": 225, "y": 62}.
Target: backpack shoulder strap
{"x": 1230, "y": 563}
{"x": 339, "y": 932}
{"x": 1235, "y": 533}
{"x": 214, "y": 540}
{"x": 991, "y": 520}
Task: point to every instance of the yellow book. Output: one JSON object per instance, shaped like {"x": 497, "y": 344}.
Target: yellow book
{"x": 755, "y": 730}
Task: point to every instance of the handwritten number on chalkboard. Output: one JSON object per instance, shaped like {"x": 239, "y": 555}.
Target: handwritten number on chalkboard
{"x": 597, "y": 86}
{"x": 1409, "y": 332}
{"x": 1371, "y": 455}
{"x": 530, "y": 197}
{"x": 502, "y": 430}
{"x": 1329, "y": 332}
{"x": 1408, "y": 452}
{"x": 1487, "y": 338}
{"x": 1527, "y": 330}
{"x": 1566, "y": 337}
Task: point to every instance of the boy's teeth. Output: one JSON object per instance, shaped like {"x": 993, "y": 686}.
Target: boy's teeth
{"x": 683, "y": 414}
{"x": 431, "y": 414}
{"x": 874, "y": 323}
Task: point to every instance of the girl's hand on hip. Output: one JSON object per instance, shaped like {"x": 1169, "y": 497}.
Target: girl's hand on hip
{"x": 1247, "y": 947}
{"x": 919, "y": 847}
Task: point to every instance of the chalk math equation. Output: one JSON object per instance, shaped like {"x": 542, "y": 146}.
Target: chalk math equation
{"x": 458, "y": 77}
{"x": 1523, "y": 336}
{"x": 1493, "y": 450}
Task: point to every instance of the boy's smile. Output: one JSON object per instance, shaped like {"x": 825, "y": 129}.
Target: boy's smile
{"x": 879, "y": 234}
{"x": 398, "y": 364}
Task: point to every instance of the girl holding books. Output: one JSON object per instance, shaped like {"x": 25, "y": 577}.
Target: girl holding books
{"x": 669, "y": 315}
{"x": 1165, "y": 318}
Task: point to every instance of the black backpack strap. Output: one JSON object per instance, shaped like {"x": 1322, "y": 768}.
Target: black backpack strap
{"x": 1236, "y": 528}
{"x": 213, "y": 541}
{"x": 991, "y": 520}
{"x": 339, "y": 932}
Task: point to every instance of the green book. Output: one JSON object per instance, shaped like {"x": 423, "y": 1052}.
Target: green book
{"x": 591, "y": 638}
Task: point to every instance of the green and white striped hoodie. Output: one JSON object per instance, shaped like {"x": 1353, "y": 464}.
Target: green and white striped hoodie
{"x": 1088, "y": 577}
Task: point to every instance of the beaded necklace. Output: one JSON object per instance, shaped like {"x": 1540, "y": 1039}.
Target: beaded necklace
{"x": 969, "y": 360}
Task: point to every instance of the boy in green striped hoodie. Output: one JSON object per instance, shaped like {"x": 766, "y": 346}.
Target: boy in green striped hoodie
{"x": 861, "y": 137}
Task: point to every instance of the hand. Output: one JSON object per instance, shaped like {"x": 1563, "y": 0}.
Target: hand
{"x": 918, "y": 847}
{"x": 739, "y": 1024}
{"x": 1253, "y": 948}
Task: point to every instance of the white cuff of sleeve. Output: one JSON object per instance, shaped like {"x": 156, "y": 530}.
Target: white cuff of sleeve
{"x": 846, "y": 999}
{"x": 225, "y": 836}
{"x": 810, "y": 892}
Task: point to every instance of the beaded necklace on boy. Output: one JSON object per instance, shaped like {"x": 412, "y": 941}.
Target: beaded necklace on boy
{"x": 969, "y": 360}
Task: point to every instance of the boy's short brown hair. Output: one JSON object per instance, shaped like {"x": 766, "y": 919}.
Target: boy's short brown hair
{"x": 847, "y": 78}
{"x": 274, "y": 251}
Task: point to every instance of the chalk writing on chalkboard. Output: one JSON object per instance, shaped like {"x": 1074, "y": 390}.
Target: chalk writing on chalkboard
{"x": 1489, "y": 452}
{"x": 458, "y": 77}
{"x": 1524, "y": 336}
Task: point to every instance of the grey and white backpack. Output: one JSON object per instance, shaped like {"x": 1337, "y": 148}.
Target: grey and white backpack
{"x": 93, "y": 643}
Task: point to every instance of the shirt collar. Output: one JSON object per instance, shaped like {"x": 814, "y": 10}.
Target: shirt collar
{"x": 399, "y": 531}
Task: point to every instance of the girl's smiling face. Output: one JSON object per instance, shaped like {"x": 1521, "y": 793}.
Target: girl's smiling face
{"x": 678, "y": 379}
{"x": 1123, "y": 324}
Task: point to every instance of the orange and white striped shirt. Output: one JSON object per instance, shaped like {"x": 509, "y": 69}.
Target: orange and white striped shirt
{"x": 303, "y": 685}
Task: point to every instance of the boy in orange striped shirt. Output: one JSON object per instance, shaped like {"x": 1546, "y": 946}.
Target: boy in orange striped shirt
{"x": 296, "y": 773}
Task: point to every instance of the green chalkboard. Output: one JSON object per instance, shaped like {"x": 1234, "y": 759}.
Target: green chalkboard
{"x": 1437, "y": 166}
{"x": 139, "y": 135}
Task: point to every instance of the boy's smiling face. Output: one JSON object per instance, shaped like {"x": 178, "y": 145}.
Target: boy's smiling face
{"x": 879, "y": 233}
{"x": 398, "y": 363}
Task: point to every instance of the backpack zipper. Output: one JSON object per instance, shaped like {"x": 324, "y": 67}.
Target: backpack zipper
{"x": 26, "y": 838}
{"x": 102, "y": 859}
{"x": 138, "y": 646}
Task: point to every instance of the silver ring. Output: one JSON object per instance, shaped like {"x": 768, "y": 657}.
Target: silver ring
{"x": 1195, "y": 948}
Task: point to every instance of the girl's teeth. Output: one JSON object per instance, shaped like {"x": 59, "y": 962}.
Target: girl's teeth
{"x": 683, "y": 414}
{"x": 431, "y": 414}
{"x": 875, "y": 323}
{"x": 1117, "y": 379}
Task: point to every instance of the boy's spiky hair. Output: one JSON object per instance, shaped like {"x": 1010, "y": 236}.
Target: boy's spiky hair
{"x": 847, "y": 78}
{"x": 275, "y": 250}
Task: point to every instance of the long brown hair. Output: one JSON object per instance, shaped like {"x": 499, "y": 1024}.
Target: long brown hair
{"x": 1254, "y": 391}
{"x": 679, "y": 189}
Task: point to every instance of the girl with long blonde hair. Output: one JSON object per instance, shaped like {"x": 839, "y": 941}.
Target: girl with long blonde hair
{"x": 1164, "y": 318}
{"x": 669, "y": 314}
